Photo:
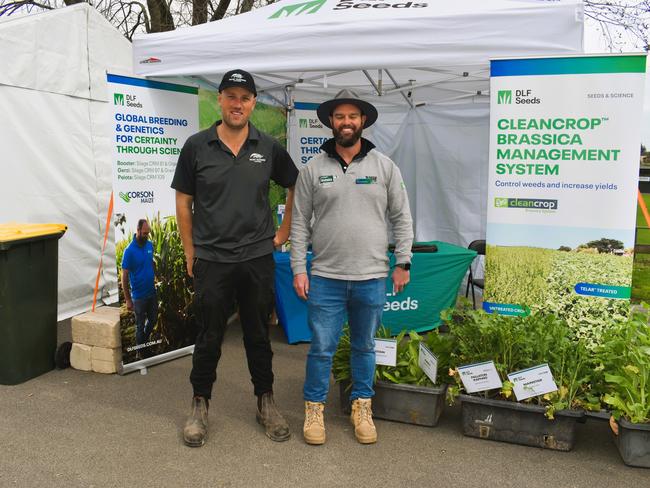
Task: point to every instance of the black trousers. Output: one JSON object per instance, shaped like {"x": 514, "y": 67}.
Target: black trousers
{"x": 216, "y": 286}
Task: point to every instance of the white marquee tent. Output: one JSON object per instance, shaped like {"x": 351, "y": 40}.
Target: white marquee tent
{"x": 424, "y": 64}
{"x": 54, "y": 129}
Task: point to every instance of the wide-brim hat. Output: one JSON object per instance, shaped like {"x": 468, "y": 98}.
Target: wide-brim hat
{"x": 325, "y": 109}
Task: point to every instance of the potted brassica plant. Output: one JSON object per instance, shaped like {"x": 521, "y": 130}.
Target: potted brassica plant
{"x": 403, "y": 393}
{"x": 514, "y": 344}
{"x": 625, "y": 364}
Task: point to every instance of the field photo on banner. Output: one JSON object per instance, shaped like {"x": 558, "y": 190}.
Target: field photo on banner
{"x": 562, "y": 192}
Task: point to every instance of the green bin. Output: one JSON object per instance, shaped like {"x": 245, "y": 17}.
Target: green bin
{"x": 28, "y": 299}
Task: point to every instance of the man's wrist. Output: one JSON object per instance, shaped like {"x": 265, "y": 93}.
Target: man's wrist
{"x": 404, "y": 266}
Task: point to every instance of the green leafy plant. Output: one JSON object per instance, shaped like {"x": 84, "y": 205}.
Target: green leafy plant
{"x": 516, "y": 343}
{"x": 407, "y": 370}
{"x": 625, "y": 367}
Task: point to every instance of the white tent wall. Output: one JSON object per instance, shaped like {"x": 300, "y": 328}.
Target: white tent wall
{"x": 55, "y": 137}
{"x": 426, "y": 69}
{"x": 442, "y": 153}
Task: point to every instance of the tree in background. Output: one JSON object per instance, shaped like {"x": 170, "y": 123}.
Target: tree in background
{"x": 605, "y": 245}
{"x": 137, "y": 16}
{"x": 624, "y": 24}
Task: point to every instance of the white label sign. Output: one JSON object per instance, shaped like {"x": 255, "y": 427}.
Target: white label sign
{"x": 532, "y": 382}
{"x": 385, "y": 352}
{"x": 428, "y": 362}
{"x": 480, "y": 377}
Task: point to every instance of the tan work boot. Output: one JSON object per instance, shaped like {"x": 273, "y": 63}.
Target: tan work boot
{"x": 314, "y": 427}
{"x": 361, "y": 418}
{"x": 268, "y": 415}
{"x": 196, "y": 427}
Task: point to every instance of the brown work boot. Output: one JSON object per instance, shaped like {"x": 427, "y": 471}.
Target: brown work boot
{"x": 361, "y": 418}
{"x": 314, "y": 428}
{"x": 277, "y": 429}
{"x": 196, "y": 427}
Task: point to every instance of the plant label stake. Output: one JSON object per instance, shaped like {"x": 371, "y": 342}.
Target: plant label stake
{"x": 385, "y": 352}
{"x": 428, "y": 362}
{"x": 532, "y": 382}
{"x": 479, "y": 377}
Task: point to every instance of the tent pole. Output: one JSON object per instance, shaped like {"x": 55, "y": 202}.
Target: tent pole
{"x": 372, "y": 82}
{"x": 408, "y": 100}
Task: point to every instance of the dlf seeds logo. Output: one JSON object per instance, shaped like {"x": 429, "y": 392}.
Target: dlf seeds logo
{"x": 302, "y": 123}
{"x": 309, "y": 7}
{"x": 504, "y": 97}
{"x": 525, "y": 203}
{"x": 118, "y": 99}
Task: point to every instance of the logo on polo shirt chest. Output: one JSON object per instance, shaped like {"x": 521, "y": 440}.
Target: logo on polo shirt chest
{"x": 257, "y": 158}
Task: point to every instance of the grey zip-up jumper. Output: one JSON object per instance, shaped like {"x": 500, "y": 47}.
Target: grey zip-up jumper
{"x": 351, "y": 211}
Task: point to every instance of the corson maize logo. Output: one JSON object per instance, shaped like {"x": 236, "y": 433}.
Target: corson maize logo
{"x": 504, "y": 97}
{"x": 257, "y": 158}
{"x": 150, "y": 61}
{"x": 525, "y": 203}
{"x": 118, "y": 99}
{"x": 310, "y": 7}
{"x": 145, "y": 196}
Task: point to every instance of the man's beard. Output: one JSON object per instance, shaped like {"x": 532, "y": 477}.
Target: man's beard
{"x": 141, "y": 240}
{"x": 347, "y": 141}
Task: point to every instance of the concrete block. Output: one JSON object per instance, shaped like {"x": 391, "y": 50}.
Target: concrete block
{"x": 99, "y": 328}
{"x": 80, "y": 357}
{"x": 105, "y": 360}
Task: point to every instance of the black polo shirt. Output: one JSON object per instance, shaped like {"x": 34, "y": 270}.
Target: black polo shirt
{"x": 232, "y": 219}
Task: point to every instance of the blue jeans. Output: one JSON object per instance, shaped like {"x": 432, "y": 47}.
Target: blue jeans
{"x": 146, "y": 315}
{"x": 330, "y": 302}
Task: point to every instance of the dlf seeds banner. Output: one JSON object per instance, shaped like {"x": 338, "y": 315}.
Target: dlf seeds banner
{"x": 564, "y": 165}
{"x": 151, "y": 121}
{"x": 307, "y": 133}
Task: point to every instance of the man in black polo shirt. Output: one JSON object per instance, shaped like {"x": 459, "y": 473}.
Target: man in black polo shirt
{"x": 222, "y": 208}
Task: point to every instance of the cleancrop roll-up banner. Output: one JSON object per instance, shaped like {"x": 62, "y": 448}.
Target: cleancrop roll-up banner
{"x": 150, "y": 122}
{"x": 565, "y": 136}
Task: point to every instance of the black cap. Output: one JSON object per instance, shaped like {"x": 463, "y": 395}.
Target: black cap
{"x": 238, "y": 77}
{"x": 325, "y": 109}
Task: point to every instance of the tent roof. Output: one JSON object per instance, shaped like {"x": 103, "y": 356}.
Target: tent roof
{"x": 420, "y": 42}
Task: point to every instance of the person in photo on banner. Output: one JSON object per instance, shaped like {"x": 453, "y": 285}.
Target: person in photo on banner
{"x": 226, "y": 226}
{"x": 345, "y": 200}
{"x": 138, "y": 283}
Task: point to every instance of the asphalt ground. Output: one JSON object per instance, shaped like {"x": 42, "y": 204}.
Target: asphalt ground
{"x": 77, "y": 429}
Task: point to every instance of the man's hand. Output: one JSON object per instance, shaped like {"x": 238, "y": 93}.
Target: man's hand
{"x": 129, "y": 304}
{"x": 301, "y": 285}
{"x": 281, "y": 236}
{"x": 189, "y": 261}
{"x": 401, "y": 277}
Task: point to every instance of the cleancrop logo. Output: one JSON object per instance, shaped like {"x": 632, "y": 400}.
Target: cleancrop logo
{"x": 145, "y": 196}
{"x": 525, "y": 203}
{"x": 309, "y": 7}
{"x": 118, "y": 99}
{"x": 504, "y": 97}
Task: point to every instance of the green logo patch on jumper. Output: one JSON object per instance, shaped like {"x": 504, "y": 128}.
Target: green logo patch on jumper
{"x": 366, "y": 180}
{"x": 325, "y": 179}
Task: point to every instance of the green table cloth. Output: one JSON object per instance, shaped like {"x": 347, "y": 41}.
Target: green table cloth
{"x": 435, "y": 279}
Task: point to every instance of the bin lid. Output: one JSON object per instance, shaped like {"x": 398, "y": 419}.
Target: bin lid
{"x": 13, "y": 231}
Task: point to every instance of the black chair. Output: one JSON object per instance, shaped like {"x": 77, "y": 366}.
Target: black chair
{"x": 479, "y": 247}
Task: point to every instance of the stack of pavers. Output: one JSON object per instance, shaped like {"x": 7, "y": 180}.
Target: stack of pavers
{"x": 96, "y": 343}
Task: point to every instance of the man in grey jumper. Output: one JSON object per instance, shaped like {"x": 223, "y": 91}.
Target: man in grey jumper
{"x": 344, "y": 201}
